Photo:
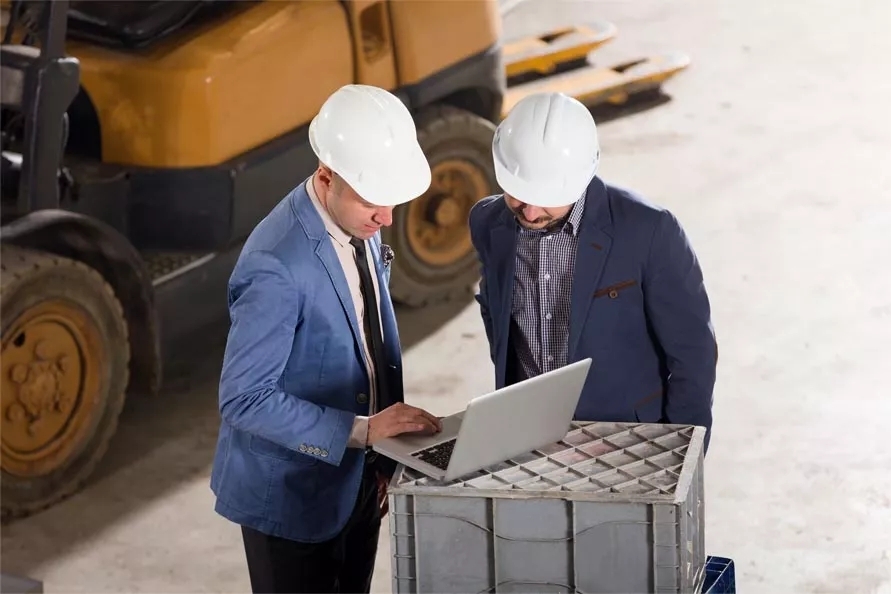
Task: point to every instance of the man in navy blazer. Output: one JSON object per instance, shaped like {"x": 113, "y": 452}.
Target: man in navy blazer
{"x": 312, "y": 374}
{"x": 573, "y": 267}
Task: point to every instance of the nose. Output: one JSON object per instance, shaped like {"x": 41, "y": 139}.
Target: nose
{"x": 384, "y": 216}
{"x": 531, "y": 213}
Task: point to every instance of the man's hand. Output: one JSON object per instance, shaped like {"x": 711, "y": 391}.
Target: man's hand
{"x": 401, "y": 418}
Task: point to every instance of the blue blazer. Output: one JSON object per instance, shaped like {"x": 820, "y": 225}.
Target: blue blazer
{"x": 639, "y": 308}
{"x": 293, "y": 380}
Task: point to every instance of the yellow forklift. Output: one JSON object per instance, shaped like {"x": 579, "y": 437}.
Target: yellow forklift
{"x": 142, "y": 141}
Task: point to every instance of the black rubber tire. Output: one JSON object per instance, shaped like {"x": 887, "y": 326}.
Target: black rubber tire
{"x": 28, "y": 278}
{"x": 444, "y": 132}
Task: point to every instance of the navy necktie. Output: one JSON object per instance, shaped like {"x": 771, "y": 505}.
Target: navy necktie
{"x": 373, "y": 321}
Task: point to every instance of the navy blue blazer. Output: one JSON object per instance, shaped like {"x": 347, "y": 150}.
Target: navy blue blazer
{"x": 294, "y": 379}
{"x": 639, "y": 308}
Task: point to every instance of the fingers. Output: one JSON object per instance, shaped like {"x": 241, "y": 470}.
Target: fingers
{"x": 425, "y": 424}
{"x": 415, "y": 425}
{"x": 404, "y": 418}
{"x": 437, "y": 423}
{"x": 430, "y": 417}
{"x": 422, "y": 416}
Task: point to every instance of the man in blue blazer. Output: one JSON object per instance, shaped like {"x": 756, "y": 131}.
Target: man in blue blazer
{"x": 312, "y": 373}
{"x": 573, "y": 267}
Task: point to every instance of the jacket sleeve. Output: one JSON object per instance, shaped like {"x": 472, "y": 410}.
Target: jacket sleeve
{"x": 482, "y": 297}
{"x": 264, "y": 308}
{"x": 679, "y": 311}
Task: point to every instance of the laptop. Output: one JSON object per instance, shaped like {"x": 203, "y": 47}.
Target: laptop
{"x": 494, "y": 427}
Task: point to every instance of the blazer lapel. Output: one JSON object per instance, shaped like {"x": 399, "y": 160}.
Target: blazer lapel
{"x": 325, "y": 252}
{"x": 314, "y": 228}
{"x": 388, "y": 313}
{"x": 593, "y": 250}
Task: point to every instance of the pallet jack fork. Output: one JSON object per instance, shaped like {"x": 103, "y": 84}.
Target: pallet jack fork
{"x": 561, "y": 60}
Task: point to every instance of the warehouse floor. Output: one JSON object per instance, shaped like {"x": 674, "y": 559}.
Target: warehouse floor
{"x": 776, "y": 155}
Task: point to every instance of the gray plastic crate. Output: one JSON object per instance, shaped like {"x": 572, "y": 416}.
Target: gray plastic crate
{"x": 613, "y": 507}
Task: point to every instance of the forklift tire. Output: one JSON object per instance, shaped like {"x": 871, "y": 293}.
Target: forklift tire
{"x": 434, "y": 257}
{"x": 65, "y": 364}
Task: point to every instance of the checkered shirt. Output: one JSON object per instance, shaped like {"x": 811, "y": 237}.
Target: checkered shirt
{"x": 541, "y": 299}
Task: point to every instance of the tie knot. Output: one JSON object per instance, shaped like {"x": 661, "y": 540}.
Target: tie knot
{"x": 358, "y": 244}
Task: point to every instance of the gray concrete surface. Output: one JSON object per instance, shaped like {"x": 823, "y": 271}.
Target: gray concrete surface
{"x": 775, "y": 153}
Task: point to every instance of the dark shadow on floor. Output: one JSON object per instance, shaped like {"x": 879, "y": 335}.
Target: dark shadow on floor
{"x": 636, "y": 104}
{"x": 160, "y": 444}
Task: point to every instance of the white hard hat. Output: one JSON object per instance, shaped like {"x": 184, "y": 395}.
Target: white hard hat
{"x": 367, "y": 136}
{"x": 546, "y": 150}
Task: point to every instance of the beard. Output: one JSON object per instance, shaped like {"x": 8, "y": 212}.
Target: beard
{"x": 542, "y": 223}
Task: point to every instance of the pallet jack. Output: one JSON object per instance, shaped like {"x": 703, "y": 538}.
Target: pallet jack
{"x": 561, "y": 60}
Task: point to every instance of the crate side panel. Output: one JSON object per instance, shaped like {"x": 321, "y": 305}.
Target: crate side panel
{"x": 693, "y": 554}
{"x": 402, "y": 544}
{"x": 533, "y": 546}
{"x": 453, "y": 544}
{"x": 666, "y": 542}
{"x": 612, "y": 550}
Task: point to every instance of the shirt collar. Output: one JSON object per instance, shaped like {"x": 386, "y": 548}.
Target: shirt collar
{"x": 336, "y": 233}
{"x": 575, "y": 216}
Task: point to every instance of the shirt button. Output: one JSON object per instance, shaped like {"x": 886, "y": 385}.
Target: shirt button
{"x": 547, "y": 316}
{"x": 547, "y": 276}
{"x": 550, "y": 358}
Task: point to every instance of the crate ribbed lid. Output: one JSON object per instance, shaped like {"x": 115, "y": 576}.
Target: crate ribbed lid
{"x": 595, "y": 460}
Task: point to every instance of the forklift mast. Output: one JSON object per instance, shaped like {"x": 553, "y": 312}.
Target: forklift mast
{"x": 38, "y": 82}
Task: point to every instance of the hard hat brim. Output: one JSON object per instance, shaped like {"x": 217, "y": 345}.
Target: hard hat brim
{"x": 546, "y": 193}
{"x": 399, "y": 183}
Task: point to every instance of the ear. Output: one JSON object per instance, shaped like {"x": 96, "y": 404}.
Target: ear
{"x": 325, "y": 175}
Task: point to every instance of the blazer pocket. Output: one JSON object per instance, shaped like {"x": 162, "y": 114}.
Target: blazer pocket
{"x": 612, "y": 291}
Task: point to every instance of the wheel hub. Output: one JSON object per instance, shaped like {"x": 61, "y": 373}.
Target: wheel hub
{"x": 437, "y": 229}
{"x": 448, "y": 212}
{"x": 50, "y": 360}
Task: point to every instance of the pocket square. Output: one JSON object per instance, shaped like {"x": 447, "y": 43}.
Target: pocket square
{"x": 387, "y": 255}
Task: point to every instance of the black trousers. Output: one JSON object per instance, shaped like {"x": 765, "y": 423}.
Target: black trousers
{"x": 342, "y": 564}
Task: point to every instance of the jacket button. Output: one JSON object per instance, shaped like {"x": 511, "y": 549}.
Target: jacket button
{"x": 362, "y": 398}
{"x": 302, "y": 447}
{"x": 324, "y": 453}
{"x": 613, "y": 294}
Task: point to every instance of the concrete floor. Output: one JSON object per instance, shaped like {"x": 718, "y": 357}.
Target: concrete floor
{"x": 775, "y": 153}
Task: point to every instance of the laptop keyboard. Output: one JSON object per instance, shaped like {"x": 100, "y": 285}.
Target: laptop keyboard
{"x": 437, "y": 455}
